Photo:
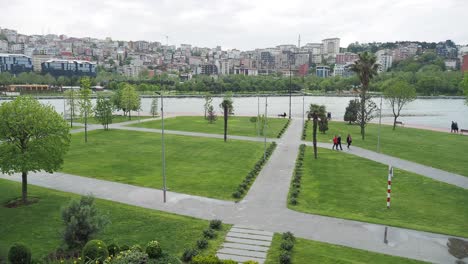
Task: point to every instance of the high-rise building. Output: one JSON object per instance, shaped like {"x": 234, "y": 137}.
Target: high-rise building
{"x": 331, "y": 46}
{"x": 15, "y": 63}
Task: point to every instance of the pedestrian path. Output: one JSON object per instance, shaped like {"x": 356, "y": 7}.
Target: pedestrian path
{"x": 245, "y": 243}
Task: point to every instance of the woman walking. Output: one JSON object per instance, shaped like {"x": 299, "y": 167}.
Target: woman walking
{"x": 335, "y": 143}
{"x": 349, "y": 140}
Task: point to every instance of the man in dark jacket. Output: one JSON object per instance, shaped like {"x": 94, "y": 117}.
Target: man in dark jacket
{"x": 339, "y": 143}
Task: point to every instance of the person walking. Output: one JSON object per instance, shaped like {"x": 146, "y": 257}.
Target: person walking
{"x": 335, "y": 143}
{"x": 339, "y": 143}
{"x": 349, "y": 140}
{"x": 455, "y": 127}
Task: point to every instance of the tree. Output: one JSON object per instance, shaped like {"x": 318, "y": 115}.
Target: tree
{"x": 208, "y": 103}
{"x": 130, "y": 99}
{"x": 398, "y": 93}
{"x": 211, "y": 114}
{"x": 464, "y": 86}
{"x": 86, "y": 107}
{"x": 33, "y": 137}
{"x": 368, "y": 114}
{"x": 103, "y": 111}
{"x": 154, "y": 107}
{"x": 71, "y": 98}
{"x": 352, "y": 110}
{"x": 226, "y": 105}
{"x": 316, "y": 112}
{"x": 366, "y": 68}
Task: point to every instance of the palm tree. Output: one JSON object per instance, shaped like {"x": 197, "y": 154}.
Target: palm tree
{"x": 226, "y": 105}
{"x": 316, "y": 112}
{"x": 366, "y": 68}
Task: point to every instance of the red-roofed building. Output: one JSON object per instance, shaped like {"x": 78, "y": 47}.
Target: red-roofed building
{"x": 464, "y": 66}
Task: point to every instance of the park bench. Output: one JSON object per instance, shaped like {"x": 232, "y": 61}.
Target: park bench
{"x": 399, "y": 123}
{"x": 463, "y": 131}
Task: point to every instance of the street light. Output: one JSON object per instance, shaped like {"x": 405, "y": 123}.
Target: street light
{"x": 290, "y": 84}
{"x": 162, "y": 147}
{"x": 264, "y": 129}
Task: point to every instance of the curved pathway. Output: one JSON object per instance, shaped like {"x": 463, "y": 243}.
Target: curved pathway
{"x": 265, "y": 205}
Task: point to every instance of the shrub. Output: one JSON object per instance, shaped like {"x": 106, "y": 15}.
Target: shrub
{"x": 293, "y": 201}
{"x": 188, "y": 254}
{"x": 202, "y": 243}
{"x": 95, "y": 250}
{"x": 113, "y": 249}
{"x": 289, "y": 236}
{"x": 209, "y": 233}
{"x": 124, "y": 248}
{"x": 250, "y": 262}
{"x": 19, "y": 253}
{"x": 216, "y": 224}
{"x": 82, "y": 221}
{"x": 229, "y": 261}
{"x": 167, "y": 259}
{"x": 153, "y": 249}
{"x": 287, "y": 245}
{"x": 285, "y": 258}
{"x": 236, "y": 195}
{"x": 136, "y": 247}
{"x": 130, "y": 257}
{"x": 210, "y": 259}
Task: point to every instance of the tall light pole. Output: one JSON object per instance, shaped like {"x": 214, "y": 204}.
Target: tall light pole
{"x": 290, "y": 84}
{"x": 380, "y": 123}
{"x": 162, "y": 147}
{"x": 303, "y": 108}
{"x": 258, "y": 115}
{"x": 264, "y": 129}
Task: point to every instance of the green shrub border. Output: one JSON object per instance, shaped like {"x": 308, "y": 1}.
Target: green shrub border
{"x": 286, "y": 247}
{"x": 202, "y": 244}
{"x": 284, "y": 128}
{"x": 295, "y": 187}
{"x": 243, "y": 188}
{"x": 304, "y": 130}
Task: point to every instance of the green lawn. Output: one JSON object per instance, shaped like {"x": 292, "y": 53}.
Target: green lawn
{"x": 346, "y": 186}
{"x": 199, "y": 166}
{"x": 39, "y": 225}
{"x": 309, "y": 251}
{"x": 437, "y": 149}
{"x": 239, "y": 126}
{"x": 115, "y": 119}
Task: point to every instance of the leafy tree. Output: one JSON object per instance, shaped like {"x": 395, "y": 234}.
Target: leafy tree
{"x": 71, "y": 99}
{"x": 352, "y": 111}
{"x": 103, "y": 111}
{"x": 33, "y": 137}
{"x": 365, "y": 68}
{"x": 211, "y": 114}
{"x": 82, "y": 221}
{"x": 154, "y": 107}
{"x": 464, "y": 86}
{"x": 86, "y": 106}
{"x": 130, "y": 99}
{"x": 316, "y": 112}
{"x": 398, "y": 93}
{"x": 369, "y": 109}
{"x": 208, "y": 103}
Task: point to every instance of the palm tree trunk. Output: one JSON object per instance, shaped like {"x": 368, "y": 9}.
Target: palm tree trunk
{"x": 225, "y": 122}
{"x": 24, "y": 191}
{"x": 363, "y": 118}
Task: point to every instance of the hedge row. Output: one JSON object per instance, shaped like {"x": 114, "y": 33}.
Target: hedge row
{"x": 296, "y": 181}
{"x": 304, "y": 130}
{"x": 284, "y": 128}
{"x": 287, "y": 245}
{"x": 202, "y": 243}
{"x": 249, "y": 179}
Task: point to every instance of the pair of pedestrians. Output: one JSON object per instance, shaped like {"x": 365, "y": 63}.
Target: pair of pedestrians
{"x": 337, "y": 141}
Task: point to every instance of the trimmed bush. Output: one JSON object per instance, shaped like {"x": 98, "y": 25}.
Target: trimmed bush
{"x": 136, "y": 247}
{"x": 113, "y": 249}
{"x": 124, "y": 248}
{"x": 293, "y": 201}
{"x": 209, "y": 233}
{"x": 188, "y": 254}
{"x": 153, "y": 249}
{"x": 229, "y": 261}
{"x": 210, "y": 259}
{"x": 285, "y": 257}
{"x": 19, "y": 253}
{"x": 216, "y": 224}
{"x": 202, "y": 243}
{"x": 250, "y": 262}
{"x": 130, "y": 257}
{"x": 289, "y": 236}
{"x": 95, "y": 250}
{"x": 283, "y": 129}
{"x": 237, "y": 195}
{"x": 287, "y": 245}
{"x": 167, "y": 259}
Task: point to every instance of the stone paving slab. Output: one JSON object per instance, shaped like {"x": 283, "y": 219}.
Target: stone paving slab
{"x": 239, "y": 258}
{"x": 249, "y": 236}
{"x": 242, "y": 252}
{"x": 248, "y": 241}
{"x": 245, "y": 247}
{"x": 251, "y": 231}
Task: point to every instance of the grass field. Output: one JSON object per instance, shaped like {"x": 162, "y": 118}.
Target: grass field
{"x": 200, "y": 166}
{"x": 239, "y": 126}
{"x": 437, "y": 149}
{"x": 346, "y": 186}
{"x": 309, "y": 251}
{"x": 39, "y": 225}
{"x": 115, "y": 119}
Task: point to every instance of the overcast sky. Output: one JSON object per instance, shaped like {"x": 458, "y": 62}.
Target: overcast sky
{"x": 241, "y": 24}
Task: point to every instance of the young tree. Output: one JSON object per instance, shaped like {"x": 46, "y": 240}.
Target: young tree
{"x": 366, "y": 68}
{"x": 103, "y": 111}
{"x": 154, "y": 107}
{"x": 130, "y": 99}
{"x": 369, "y": 108}
{"x": 33, "y": 137}
{"x": 211, "y": 115}
{"x": 352, "y": 110}
{"x": 86, "y": 107}
{"x": 71, "y": 98}
{"x": 464, "y": 86}
{"x": 316, "y": 112}
{"x": 208, "y": 103}
{"x": 227, "y": 107}
{"x": 398, "y": 93}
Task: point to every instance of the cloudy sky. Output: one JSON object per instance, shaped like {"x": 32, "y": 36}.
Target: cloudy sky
{"x": 242, "y": 24}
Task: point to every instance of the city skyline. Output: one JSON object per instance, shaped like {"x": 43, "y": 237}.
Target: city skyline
{"x": 242, "y": 25}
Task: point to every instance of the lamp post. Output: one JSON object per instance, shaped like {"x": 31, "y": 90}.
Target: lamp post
{"x": 258, "y": 115}
{"x": 303, "y": 108}
{"x": 290, "y": 84}
{"x": 264, "y": 129}
{"x": 162, "y": 147}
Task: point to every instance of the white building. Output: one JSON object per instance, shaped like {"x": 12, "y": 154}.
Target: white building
{"x": 385, "y": 62}
{"x": 331, "y": 46}
{"x": 37, "y": 60}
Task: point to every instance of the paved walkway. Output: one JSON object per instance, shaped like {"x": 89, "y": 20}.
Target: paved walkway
{"x": 264, "y": 207}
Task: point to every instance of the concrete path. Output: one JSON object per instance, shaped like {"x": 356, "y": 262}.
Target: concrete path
{"x": 264, "y": 207}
